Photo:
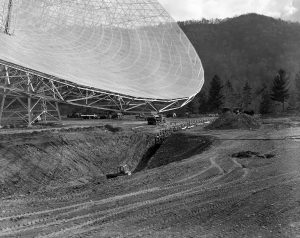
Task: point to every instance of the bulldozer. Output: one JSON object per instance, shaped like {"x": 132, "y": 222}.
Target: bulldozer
{"x": 121, "y": 171}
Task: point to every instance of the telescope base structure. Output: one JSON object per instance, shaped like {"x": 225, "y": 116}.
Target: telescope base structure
{"x": 18, "y": 110}
{"x": 31, "y": 96}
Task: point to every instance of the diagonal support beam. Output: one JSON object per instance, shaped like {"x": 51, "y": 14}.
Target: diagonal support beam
{"x": 31, "y": 89}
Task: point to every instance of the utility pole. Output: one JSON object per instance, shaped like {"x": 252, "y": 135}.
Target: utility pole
{"x": 8, "y": 18}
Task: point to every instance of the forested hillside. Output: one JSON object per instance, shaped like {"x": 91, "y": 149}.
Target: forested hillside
{"x": 250, "y": 48}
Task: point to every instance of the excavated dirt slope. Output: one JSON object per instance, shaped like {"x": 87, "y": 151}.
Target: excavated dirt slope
{"x": 32, "y": 161}
{"x": 245, "y": 184}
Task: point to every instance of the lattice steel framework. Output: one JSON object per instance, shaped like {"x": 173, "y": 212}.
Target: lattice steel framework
{"x": 119, "y": 55}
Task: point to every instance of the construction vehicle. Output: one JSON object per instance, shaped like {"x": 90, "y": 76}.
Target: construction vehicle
{"x": 121, "y": 171}
{"x": 156, "y": 119}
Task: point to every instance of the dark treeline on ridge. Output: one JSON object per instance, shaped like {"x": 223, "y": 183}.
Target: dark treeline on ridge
{"x": 246, "y": 53}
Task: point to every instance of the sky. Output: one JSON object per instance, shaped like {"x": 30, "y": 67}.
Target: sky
{"x": 198, "y": 9}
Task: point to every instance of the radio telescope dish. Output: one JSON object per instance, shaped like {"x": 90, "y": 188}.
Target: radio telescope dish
{"x": 108, "y": 54}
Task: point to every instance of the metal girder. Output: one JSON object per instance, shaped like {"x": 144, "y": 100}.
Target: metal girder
{"x": 18, "y": 85}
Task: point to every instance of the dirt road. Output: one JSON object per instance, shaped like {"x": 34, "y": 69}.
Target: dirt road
{"x": 208, "y": 194}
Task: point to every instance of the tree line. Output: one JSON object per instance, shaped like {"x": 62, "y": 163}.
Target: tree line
{"x": 281, "y": 96}
{"x": 248, "y": 49}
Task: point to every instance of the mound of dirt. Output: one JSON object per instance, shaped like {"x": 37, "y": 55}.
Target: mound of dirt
{"x": 230, "y": 120}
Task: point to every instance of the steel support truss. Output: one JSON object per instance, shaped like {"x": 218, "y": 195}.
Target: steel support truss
{"x": 30, "y": 96}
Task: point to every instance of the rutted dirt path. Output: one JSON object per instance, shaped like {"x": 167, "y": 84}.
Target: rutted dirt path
{"x": 209, "y": 194}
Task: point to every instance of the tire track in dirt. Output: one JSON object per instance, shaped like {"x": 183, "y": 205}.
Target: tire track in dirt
{"x": 208, "y": 205}
{"x": 16, "y": 216}
{"x": 213, "y": 164}
{"x": 178, "y": 196}
{"x": 103, "y": 201}
{"x": 124, "y": 212}
{"x": 131, "y": 207}
{"x": 218, "y": 205}
{"x": 246, "y": 171}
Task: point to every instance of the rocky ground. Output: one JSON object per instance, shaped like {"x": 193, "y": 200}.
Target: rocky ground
{"x": 229, "y": 183}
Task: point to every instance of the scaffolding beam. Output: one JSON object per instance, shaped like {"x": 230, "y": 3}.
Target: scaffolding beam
{"x": 31, "y": 93}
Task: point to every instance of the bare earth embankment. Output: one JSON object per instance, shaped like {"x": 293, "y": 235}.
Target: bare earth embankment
{"x": 32, "y": 161}
{"x": 232, "y": 183}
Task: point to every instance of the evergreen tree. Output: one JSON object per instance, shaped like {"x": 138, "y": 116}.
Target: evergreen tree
{"x": 238, "y": 98}
{"x": 202, "y": 102}
{"x": 280, "y": 92}
{"x": 229, "y": 95}
{"x": 266, "y": 103}
{"x": 297, "y": 83}
{"x": 261, "y": 90}
{"x": 215, "y": 98}
{"x": 292, "y": 102}
{"x": 193, "y": 106}
{"x": 247, "y": 96}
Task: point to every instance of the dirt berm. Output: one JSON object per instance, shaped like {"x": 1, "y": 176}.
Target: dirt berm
{"x": 30, "y": 161}
{"x": 231, "y": 120}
